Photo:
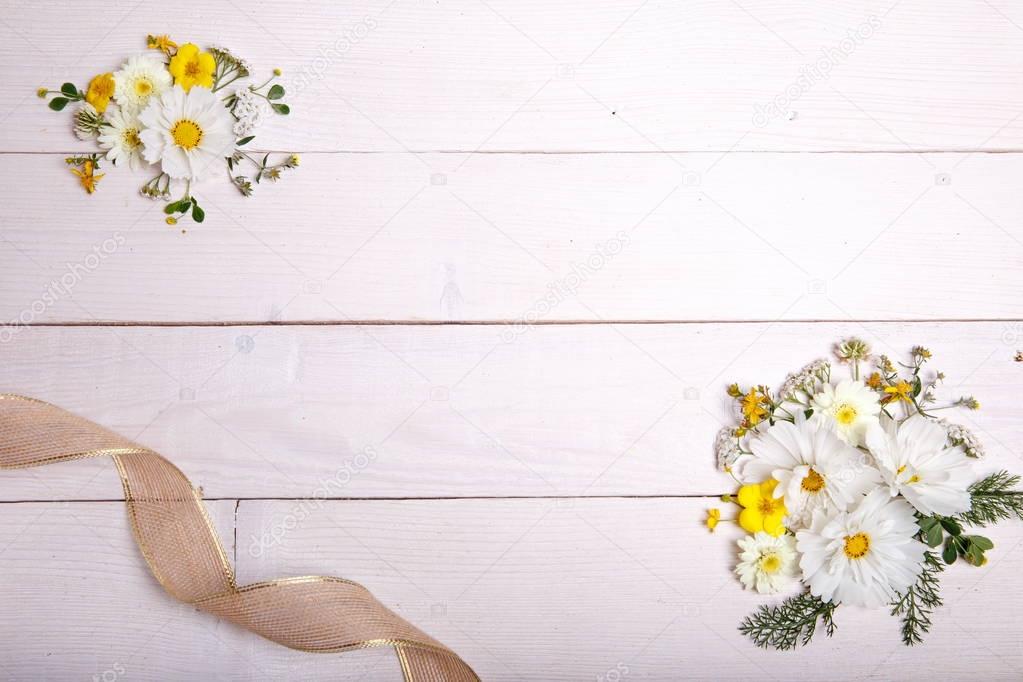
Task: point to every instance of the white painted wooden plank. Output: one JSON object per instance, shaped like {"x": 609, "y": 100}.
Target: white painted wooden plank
{"x": 414, "y": 411}
{"x": 512, "y": 237}
{"x": 80, "y": 602}
{"x": 571, "y": 590}
{"x": 393, "y": 75}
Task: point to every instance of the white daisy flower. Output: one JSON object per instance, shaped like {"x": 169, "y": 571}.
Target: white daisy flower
{"x": 189, "y": 133}
{"x": 865, "y": 556}
{"x": 141, "y": 78}
{"x": 121, "y": 137}
{"x": 814, "y": 468}
{"x": 851, "y": 407}
{"x": 766, "y": 563}
{"x": 917, "y": 462}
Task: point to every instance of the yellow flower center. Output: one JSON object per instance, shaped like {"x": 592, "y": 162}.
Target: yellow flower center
{"x": 187, "y": 134}
{"x": 143, "y": 87}
{"x": 770, "y": 563}
{"x": 813, "y": 482}
{"x": 845, "y": 414}
{"x": 856, "y": 546}
{"x": 130, "y": 138}
{"x": 768, "y": 505}
{"x": 192, "y": 69}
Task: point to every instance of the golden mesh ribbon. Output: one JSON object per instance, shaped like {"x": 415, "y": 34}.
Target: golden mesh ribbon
{"x": 174, "y": 533}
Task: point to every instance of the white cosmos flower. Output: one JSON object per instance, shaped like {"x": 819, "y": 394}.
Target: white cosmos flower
{"x": 917, "y": 462}
{"x": 766, "y": 563}
{"x": 815, "y": 469}
{"x": 851, "y": 407}
{"x": 189, "y": 133}
{"x": 141, "y": 78}
{"x": 864, "y": 556}
{"x": 121, "y": 137}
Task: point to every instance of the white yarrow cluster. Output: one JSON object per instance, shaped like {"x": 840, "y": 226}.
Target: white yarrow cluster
{"x": 726, "y": 447}
{"x": 962, "y": 436}
{"x": 248, "y": 111}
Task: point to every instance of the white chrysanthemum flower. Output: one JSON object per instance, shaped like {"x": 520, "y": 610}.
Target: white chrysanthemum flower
{"x": 121, "y": 137}
{"x": 865, "y": 556}
{"x": 88, "y": 122}
{"x": 140, "y": 79}
{"x": 189, "y": 133}
{"x": 917, "y": 462}
{"x": 814, "y": 468}
{"x": 766, "y": 563}
{"x": 851, "y": 407}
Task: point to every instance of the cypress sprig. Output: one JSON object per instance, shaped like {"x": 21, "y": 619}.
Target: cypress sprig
{"x": 919, "y": 602}
{"x": 791, "y": 623}
{"x": 994, "y": 499}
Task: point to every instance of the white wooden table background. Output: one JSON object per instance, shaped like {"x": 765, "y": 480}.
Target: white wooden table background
{"x": 531, "y": 494}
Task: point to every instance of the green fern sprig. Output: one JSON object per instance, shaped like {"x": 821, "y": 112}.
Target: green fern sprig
{"x": 994, "y": 499}
{"x": 791, "y": 623}
{"x": 919, "y": 601}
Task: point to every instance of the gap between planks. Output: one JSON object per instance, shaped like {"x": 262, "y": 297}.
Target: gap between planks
{"x": 570, "y": 152}
{"x": 496, "y": 322}
{"x": 438, "y": 498}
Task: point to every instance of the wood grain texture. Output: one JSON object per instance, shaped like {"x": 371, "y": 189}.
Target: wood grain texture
{"x": 646, "y": 76}
{"x": 528, "y": 237}
{"x": 424, "y": 411}
{"x": 81, "y": 603}
{"x": 574, "y": 590}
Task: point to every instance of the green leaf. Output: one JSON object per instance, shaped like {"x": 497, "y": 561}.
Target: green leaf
{"x": 276, "y": 92}
{"x": 951, "y": 551}
{"x": 981, "y": 541}
{"x": 927, "y": 522}
{"x": 58, "y": 103}
{"x": 933, "y": 535}
{"x": 952, "y": 526}
{"x": 244, "y": 141}
{"x": 198, "y": 215}
{"x": 172, "y": 207}
{"x": 69, "y": 89}
{"x": 282, "y": 109}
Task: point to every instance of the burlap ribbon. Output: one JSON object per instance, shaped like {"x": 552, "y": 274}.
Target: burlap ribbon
{"x": 174, "y": 533}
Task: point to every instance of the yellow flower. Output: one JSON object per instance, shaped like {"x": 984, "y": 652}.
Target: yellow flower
{"x": 294, "y": 160}
{"x": 713, "y": 516}
{"x": 192, "y": 67}
{"x": 171, "y": 220}
{"x": 874, "y": 381}
{"x": 41, "y": 92}
{"x": 752, "y": 406}
{"x": 100, "y": 90}
{"x": 277, "y": 72}
{"x": 900, "y": 391}
{"x": 761, "y": 510}
{"x": 162, "y": 43}
{"x": 87, "y": 177}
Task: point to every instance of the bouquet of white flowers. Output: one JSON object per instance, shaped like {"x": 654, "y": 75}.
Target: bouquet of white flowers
{"x": 179, "y": 110}
{"x": 857, "y": 491}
